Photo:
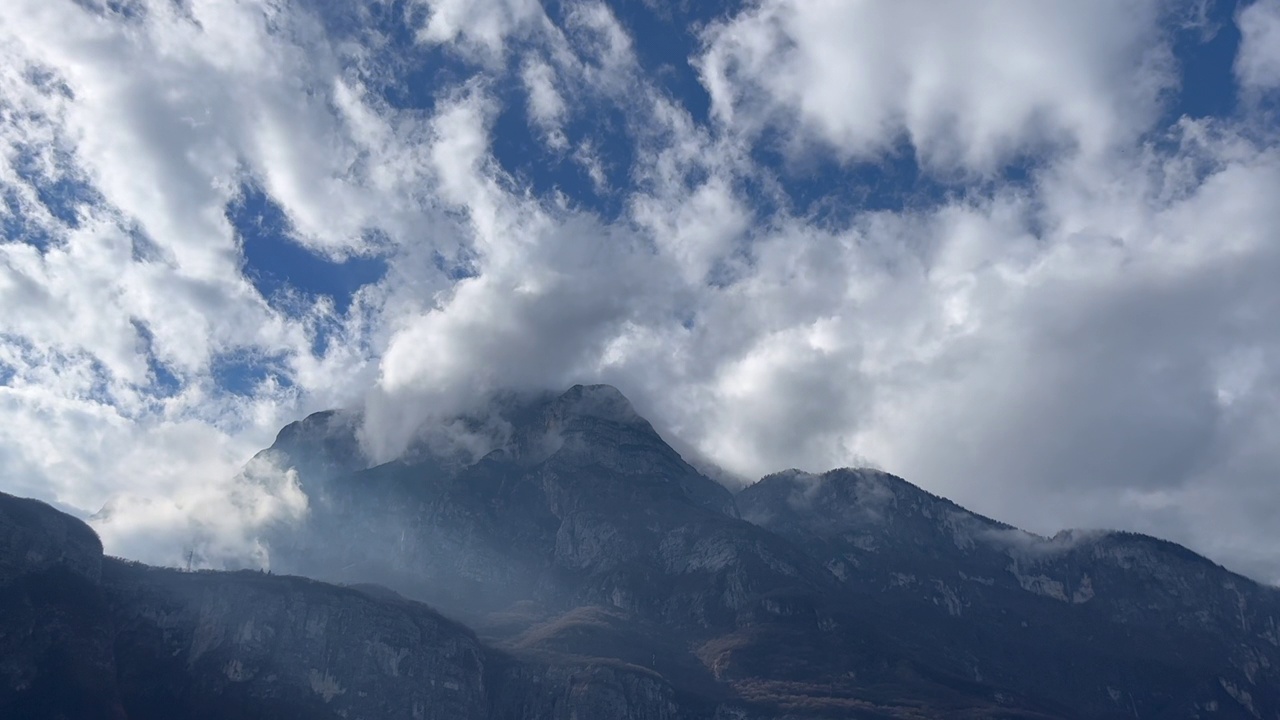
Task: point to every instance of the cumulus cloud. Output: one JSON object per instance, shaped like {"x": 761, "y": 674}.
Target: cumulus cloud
{"x": 969, "y": 86}
{"x": 553, "y": 289}
{"x": 1083, "y": 342}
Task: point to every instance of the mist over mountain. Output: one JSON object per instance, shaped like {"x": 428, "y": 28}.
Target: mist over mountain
{"x": 555, "y": 558}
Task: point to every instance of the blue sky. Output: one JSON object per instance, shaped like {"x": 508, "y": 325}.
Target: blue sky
{"x": 1019, "y": 253}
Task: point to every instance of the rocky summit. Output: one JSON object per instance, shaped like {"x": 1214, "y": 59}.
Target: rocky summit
{"x": 553, "y": 558}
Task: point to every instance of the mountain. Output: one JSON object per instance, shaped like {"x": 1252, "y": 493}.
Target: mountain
{"x": 589, "y": 571}
{"x": 1093, "y": 620}
{"x": 83, "y": 636}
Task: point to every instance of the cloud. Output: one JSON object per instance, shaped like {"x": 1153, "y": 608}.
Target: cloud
{"x": 1258, "y": 63}
{"x": 214, "y": 518}
{"x": 546, "y": 106}
{"x": 970, "y": 87}
{"x": 153, "y": 488}
{"x": 552, "y": 289}
{"x": 1064, "y": 322}
{"x": 478, "y": 28}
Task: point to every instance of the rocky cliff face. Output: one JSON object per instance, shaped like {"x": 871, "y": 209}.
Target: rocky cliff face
{"x": 1084, "y": 617}
{"x": 606, "y": 578}
{"x": 55, "y": 636}
{"x": 245, "y": 644}
{"x": 83, "y": 636}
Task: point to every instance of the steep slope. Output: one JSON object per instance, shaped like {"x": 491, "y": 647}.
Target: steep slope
{"x": 244, "y": 644}
{"x": 582, "y": 505}
{"x": 55, "y": 635}
{"x": 83, "y": 636}
{"x": 1085, "y": 617}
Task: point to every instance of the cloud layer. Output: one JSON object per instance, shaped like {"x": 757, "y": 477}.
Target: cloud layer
{"x": 985, "y": 250}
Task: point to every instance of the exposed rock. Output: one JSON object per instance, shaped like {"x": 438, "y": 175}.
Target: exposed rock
{"x": 1100, "y": 605}
{"x": 83, "y": 638}
{"x": 246, "y": 644}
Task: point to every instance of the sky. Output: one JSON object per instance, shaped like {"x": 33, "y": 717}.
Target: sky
{"x": 1022, "y": 254}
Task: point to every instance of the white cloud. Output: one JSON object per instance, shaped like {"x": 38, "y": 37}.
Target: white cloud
{"x": 168, "y": 484}
{"x": 1258, "y": 64}
{"x": 546, "y": 107}
{"x": 969, "y": 85}
{"x": 212, "y": 518}
{"x": 479, "y": 28}
{"x": 603, "y": 46}
{"x": 699, "y": 231}
{"x": 552, "y": 288}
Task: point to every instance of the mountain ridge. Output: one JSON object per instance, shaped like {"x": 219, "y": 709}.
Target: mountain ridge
{"x": 924, "y": 571}
{"x": 342, "y": 445}
{"x": 581, "y": 548}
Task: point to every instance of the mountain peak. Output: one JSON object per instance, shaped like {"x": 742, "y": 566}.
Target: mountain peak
{"x": 859, "y": 495}
{"x": 604, "y": 402}
{"x": 320, "y": 445}
{"x": 35, "y": 534}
